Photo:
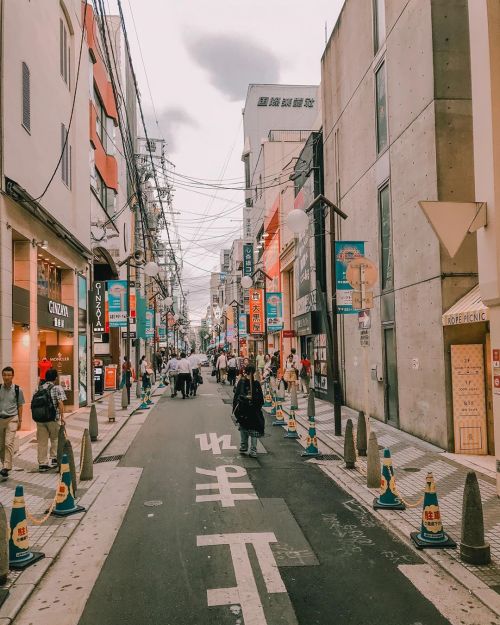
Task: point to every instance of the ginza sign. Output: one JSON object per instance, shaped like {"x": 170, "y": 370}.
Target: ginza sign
{"x": 99, "y": 294}
{"x": 59, "y": 311}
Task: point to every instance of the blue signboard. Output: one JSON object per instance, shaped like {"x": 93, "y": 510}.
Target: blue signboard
{"x": 248, "y": 259}
{"x": 243, "y": 325}
{"x": 345, "y": 251}
{"x": 117, "y": 303}
{"x": 274, "y": 312}
{"x": 150, "y": 324}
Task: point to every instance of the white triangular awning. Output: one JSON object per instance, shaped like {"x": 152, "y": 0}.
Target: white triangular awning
{"x": 468, "y": 309}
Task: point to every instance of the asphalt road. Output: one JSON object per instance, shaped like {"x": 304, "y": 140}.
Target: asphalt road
{"x": 335, "y": 564}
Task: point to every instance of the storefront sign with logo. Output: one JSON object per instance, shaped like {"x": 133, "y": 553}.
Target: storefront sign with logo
{"x": 117, "y": 303}
{"x": 61, "y": 357}
{"x": 256, "y": 311}
{"x": 59, "y": 312}
{"x": 305, "y": 324}
{"x": 288, "y": 334}
{"x": 53, "y": 314}
{"x": 274, "y": 307}
{"x": 345, "y": 252}
{"x": 150, "y": 326}
{"x": 248, "y": 259}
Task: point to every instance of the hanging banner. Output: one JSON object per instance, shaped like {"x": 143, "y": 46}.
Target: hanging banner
{"x": 274, "y": 308}
{"x": 345, "y": 251}
{"x": 150, "y": 323}
{"x": 132, "y": 304}
{"x": 243, "y": 325}
{"x": 248, "y": 259}
{"x": 97, "y": 306}
{"x": 117, "y": 303}
{"x": 162, "y": 330}
{"x": 256, "y": 311}
{"x": 141, "y": 317}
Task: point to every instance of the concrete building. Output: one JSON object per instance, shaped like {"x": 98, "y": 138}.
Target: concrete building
{"x": 397, "y": 129}
{"x": 45, "y": 195}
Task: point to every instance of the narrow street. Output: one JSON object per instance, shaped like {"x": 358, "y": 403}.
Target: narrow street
{"x": 335, "y": 563}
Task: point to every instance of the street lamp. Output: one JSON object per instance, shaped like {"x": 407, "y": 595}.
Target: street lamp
{"x": 331, "y": 327}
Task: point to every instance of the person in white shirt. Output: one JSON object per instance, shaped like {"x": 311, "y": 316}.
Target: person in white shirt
{"x": 295, "y": 359}
{"x": 232, "y": 368}
{"x": 184, "y": 376}
{"x": 171, "y": 369}
{"x": 222, "y": 367}
{"x": 194, "y": 363}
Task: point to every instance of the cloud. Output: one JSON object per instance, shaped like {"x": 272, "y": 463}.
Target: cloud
{"x": 233, "y": 62}
{"x": 170, "y": 121}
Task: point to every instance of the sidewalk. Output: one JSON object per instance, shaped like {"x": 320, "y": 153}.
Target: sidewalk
{"x": 39, "y": 491}
{"x": 412, "y": 459}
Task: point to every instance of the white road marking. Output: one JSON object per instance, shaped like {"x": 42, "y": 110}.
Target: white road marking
{"x": 64, "y": 590}
{"x": 225, "y": 495}
{"x": 451, "y": 599}
{"x": 245, "y": 593}
{"x": 214, "y": 444}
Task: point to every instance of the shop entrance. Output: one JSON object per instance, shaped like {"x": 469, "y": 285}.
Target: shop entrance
{"x": 57, "y": 349}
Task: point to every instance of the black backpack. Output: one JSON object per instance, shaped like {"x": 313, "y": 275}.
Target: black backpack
{"x": 42, "y": 406}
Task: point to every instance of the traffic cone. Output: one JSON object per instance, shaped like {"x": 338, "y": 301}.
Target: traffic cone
{"x": 65, "y": 498}
{"x": 388, "y": 498}
{"x": 431, "y": 533}
{"x": 20, "y": 554}
{"x": 312, "y": 440}
{"x": 148, "y": 397}
{"x": 143, "y": 405}
{"x": 68, "y": 452}
{"x": 111, "y": 408}
{"x": 292, "y": 425}
{"x": 268, "y": 400}
{"x": 280, "y": 396}
{"x": 124, "y": 397}
{"x": 93, "y": 424}
{"x": 61, "y": 439}
{"x": 473, "y": 547}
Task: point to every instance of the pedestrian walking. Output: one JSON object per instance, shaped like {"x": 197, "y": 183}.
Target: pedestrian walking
{"x": 11, "y": 416}
{"x": 47, "y": 410}
{"x": 267, "y": 366}
{"x": 290, "y": 373}
{"x": 126, "y": 379}
{"x": 194, "y": 363}
{"x": 146, "y": 373}
{"x": 232, "y": 369}
{"x": 222, "y": 367}
{"x": 172, "y": 370}
{"x": 184, "y": 376}
{"x": 259, "y": 364}
{"x": 247, "y": 409}
{"x": 305, "y": 375}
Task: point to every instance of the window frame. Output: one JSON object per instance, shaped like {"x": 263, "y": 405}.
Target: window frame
{"x": 66, "y": 157}
{"x": 380, "y": 70}
{"x": 378, "y": 8}
{"x": 26, "y": 97}
{"x": 386, "y": 279}
{"x": 65, "y": 51}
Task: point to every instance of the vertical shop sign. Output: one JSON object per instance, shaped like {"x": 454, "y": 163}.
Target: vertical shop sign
{"x": 345, "y": 251}
{"x": 243, "y": 325}
{"x": 141, "y": 317}
{"x": 248, "y": 259}
{"x": 117, "y": 303}
{"x": 256, "y": 311}
{"x": 82, "y": 370}
{"x": 150, "y": 326}
{"x": 274, "y": 308}
{"x": 98, "y": 299}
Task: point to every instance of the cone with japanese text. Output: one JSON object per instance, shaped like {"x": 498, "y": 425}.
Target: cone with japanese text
{"x": 388, "y": 498}
{"x": 312, "y": 440}
{"x": 65, "y": 497}
{"x": 431, "y": 533}
{"x": 20, "y": 554}
{"x": 292, "y": 425}
{"x": 280, "y": 397}
{"x": 268, "y": 400}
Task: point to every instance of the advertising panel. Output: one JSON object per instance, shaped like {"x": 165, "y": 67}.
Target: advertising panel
{"x": 243, "y": 325}
{"x": 274, "y": 308}
{"x": 256, "y": 311}
{"x": 345, "y": 251}
{"x": 150, "y": 323}
{"x": 117, "y": 303}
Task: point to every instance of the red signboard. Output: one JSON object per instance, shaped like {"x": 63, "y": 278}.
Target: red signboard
{"x": 256, "y": 311}
{"x": 288, "y": 334}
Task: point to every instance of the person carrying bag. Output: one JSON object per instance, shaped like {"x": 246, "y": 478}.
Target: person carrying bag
{"x": 247, "y": 409}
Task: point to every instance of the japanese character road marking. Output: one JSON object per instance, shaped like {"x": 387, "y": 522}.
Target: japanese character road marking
{"x": 216, "y": 443}
{"x": 225, "y": 495}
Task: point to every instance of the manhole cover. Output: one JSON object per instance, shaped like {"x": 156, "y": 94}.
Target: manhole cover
{"x": 411, "y": 469}
{"x": 154, "y": 503}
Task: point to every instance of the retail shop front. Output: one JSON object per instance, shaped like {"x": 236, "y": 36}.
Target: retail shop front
{"x": 472, "y": 369}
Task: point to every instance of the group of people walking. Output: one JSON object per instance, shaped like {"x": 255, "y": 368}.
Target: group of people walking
{"x": 228, "y": 366}
{"x": 184, "y": 374}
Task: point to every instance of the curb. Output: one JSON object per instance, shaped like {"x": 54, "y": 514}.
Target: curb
{"x": 400, "y": 528}
{"x": 25, "y": 584}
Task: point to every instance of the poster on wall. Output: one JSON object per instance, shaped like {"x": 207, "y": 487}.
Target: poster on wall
{"x": 345, "y": 251}
{"x": 274, "y": 308}
{"x": 82, "y": 370}
{"x": 61, "y": 357}
{"x": 320, "y": 365}
{"x": 117, "y": 303}
{"x": 469, "y": 403}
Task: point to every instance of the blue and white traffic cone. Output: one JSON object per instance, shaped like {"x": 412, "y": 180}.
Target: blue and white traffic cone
{"x": 292, "y": 424}
{"x": 268, "y": 400}
{"x": 280, "y": 397}
{"x": 162, "y": 382}
{"x": 65, "y": 498}
{"x": 148, "y": 397}
{"x": 312, "y": 440}
{"x": 431, "y": 533}
{"x": 20, "y": 554}
{"x": 143, "y": 405}
{"x": 388, "y": 498}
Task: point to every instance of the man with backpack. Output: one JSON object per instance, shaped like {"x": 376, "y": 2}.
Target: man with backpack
{"x": 11, "y": 416}
{"x": 47, "y": 410}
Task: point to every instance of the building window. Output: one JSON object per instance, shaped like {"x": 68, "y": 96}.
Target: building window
{"x": 378, "y": 23}
{"x": 246, "y": 161}
{"x": 64, "y": 52}
{"x": 105, "y": 195}
{"x": 66, "y": 157}
{"x": 381, "y": 102}
{"x": 100, "y": 123}
{"x": 26, "y": 97}
{"x": 48, "y": 279}
{"x": 386, "y": 258}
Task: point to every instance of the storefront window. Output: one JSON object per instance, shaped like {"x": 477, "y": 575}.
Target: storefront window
{"x": 49, "y": 279}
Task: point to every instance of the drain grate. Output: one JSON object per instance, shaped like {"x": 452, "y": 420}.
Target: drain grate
{"x": 329, "y": 457}
{"x": 108, "y": 458}
{"x": 411, "y": 469}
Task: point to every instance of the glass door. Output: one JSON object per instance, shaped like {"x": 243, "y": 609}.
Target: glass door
{"x": 391, "y": 377}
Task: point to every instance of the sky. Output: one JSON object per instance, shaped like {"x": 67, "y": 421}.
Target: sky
{"x": 194, "y": 60}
